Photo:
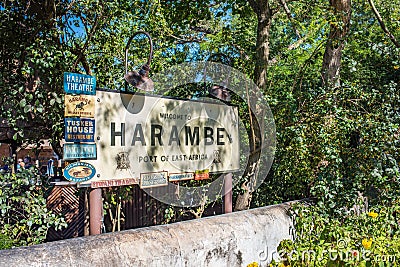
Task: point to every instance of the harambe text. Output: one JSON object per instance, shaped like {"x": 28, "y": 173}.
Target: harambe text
{"x": 187, "y": 135}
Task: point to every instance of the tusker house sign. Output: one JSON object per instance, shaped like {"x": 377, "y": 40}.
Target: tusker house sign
{"x": 138, "y": 134}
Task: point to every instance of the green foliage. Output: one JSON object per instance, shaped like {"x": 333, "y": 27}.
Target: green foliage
{"x": 338, "y": 145}
{"x": 333, "y": 143}
{"x": 32, "y": 65}
{"x": 112, "y": 206}
{"x": 5, "y": 242}
{"x": 24, "y": 217}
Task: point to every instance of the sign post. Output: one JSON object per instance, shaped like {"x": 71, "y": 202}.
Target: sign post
{"x": 95, "y": 211}
{"x": 223, "y": 94}
{"x": 228, "y": 193}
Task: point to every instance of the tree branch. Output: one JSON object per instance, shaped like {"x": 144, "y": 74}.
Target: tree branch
{"x": 289, "y": 15}
{"x": 81, "y": 51}
{"x": 383, "y": 26}
{"x": 199, "y": 212}
{"x": 190, "y": 39}
{"x": 253, "y": 4}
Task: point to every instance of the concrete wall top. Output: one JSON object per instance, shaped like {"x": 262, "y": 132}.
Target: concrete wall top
{"x": 234, "y": 239}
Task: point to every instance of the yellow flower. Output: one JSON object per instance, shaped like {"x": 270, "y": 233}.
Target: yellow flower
{"x": 372, "y": 214}
{"x": 367, "y": 243}
{"x": 396, "y": 67}
{"x": 253, "y": 264}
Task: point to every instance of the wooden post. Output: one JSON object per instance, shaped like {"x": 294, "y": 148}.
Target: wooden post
{"x": 223, "y": 94}
{"x": 95, "y": 211}
{"x": 228, "y": 193}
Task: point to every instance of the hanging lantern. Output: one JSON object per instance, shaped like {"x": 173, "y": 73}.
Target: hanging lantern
{"x": 139, "y": 80}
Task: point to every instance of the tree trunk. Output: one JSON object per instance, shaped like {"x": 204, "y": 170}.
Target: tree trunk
{"x": 335, "y": 43}
{"x": 264, "y": 18}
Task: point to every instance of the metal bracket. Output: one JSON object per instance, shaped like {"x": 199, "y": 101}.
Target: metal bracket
{"x": 139, "y": 79}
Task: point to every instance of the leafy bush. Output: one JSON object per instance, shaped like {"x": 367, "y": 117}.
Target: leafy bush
{"x": 359, "y": 238}
{"x": 5, "y": 242}
{"x": 24, "y": 217}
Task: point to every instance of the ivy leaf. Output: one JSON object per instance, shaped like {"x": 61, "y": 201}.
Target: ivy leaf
{"x": 27, "y": 108}
{"x": 22, "y": 103}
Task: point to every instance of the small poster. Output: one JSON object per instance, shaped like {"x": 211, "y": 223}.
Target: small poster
{"x": 110, "y": 183}
{"x": 79, "y": 130}
{"x": 75, "y": 83}
{"x": 79, "y": 106}
{"x": 153, "y": 179}
{"x": 79, "y": 151}
{"x": 202, "y": 174}
{"x": 79, "y": 171}
{"x": 176, "y": 177}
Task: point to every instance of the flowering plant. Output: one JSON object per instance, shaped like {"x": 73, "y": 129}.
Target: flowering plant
{"x": 357, "y": 239}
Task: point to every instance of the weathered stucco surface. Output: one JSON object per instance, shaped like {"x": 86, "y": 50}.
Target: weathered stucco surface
{"x": 234, "y": 239}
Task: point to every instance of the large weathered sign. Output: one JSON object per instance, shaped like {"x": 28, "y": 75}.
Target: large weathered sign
{"x": 137, "y": 134}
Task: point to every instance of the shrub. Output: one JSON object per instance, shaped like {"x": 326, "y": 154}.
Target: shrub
{"x": 24, "y": 217}
{"x": 359, "y": 238}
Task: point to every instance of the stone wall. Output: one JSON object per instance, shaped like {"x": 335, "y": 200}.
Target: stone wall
{"x": 234, "y": 239}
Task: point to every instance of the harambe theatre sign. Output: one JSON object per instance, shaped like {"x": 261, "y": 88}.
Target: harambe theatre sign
{"x": 138, "y": 134}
